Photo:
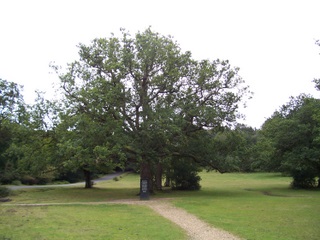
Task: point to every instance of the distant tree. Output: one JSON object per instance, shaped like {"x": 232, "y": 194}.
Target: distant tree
{"x": 246, "y": 149}
{"x": 264, "y": 151}
{"x": 27, "y": 142}
{"x": 11, "y": 110}
{"x": 11, "y": 101}
{"x": 317, "y": 81}
{"x": 149, "y": 98}
{"x": 235, "y": 148}
{"x": 294, "y": 134}
{"x": 267, "y": 158}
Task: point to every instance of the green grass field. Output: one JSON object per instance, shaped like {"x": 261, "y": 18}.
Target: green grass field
{"x": 85, "y": 222}
{"x": 252, "y": 206}
{"x": 256, "y": 206}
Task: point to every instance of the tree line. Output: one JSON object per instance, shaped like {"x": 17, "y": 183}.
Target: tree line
{"x": 141, "y": 103}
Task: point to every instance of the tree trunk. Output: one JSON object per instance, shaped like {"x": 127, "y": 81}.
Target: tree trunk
{"x": 159, "y": 177}
{"x": 168, "y": 179}
{"x": 167, "y": 182}
{"x": 87, "y": 176}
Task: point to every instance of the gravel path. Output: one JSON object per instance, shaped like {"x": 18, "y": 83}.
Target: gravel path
{"x": 195, "y": 228}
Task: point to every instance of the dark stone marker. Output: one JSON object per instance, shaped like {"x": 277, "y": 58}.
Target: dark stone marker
{"x": 144, "y": 192}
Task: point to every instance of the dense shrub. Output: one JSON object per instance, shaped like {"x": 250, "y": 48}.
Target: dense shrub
{"x": 28, "y": 180}
{"x": 303, "y": 179}
{"x": 43, "y": 180}
{"x": 184, "y": 175}
{"x": 6, "y": 177}
{"x": 16, "y": 182}
{"x": 70, "y": 176}
{"x": 4, "y": 192}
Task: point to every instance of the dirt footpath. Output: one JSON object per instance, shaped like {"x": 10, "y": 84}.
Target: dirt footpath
{"x": 195, "y": 228}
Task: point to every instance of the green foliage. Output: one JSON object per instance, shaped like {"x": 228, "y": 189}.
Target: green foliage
{"x": 141, "y": 98}
{"x": 4, "y": 192}
{"x": 184, "y": 175}
{"x": 235, "y": 148}
{"x": 11, "y": 101}
{"x": 27, "y": 142}
{"x": 317, "y": 81}
{"x": 116, "y": 179}
{"x": 16, "y": 182}
{"x": 88, "y": 146}
{"x": 303, "y": 179}
{"x": 29, "y": 180}
{"x": 72, "y": 176}
{"x": 12, "y": 112}
{"x": 293, "y": 134}
{"x": 8, "y": 175}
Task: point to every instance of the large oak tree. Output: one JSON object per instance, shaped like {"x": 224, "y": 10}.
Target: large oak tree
{"x": 151, "y": 99}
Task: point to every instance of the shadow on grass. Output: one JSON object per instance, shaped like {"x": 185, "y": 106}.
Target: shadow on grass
{"x": 234, "y": 186}
{"x": 205, "y": 193}
{"x": 73, "y": 194}
{"x": 219, "y": 193}
{"x": 77, "y": 194}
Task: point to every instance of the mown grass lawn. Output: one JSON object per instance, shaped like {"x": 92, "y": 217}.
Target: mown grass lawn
{"x": 253, "y": 206}
{"x": 85, "y": 222}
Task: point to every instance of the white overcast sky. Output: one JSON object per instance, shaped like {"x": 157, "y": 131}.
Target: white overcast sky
{"x": 273, "y": 41}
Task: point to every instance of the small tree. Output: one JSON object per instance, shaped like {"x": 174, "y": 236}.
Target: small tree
{"x": 184, "y": 175}
{"x": 88, "y": 146}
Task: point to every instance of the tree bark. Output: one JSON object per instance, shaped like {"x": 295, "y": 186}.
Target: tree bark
{"x": 87, "y": 176}
{"x": 167, "y": 182}
{"x": 159, "y": 176}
